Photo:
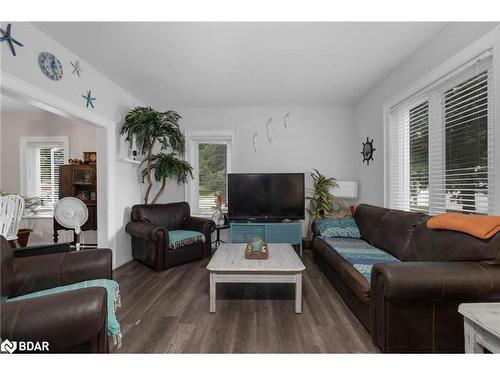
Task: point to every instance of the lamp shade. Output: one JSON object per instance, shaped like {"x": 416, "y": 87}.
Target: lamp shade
{"x": 346, "y": 189}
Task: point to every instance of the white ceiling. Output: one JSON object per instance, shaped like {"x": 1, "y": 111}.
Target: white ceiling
{"x": 243, "y": 64}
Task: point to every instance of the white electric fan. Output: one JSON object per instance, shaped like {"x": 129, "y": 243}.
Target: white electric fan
{"x": 72, "y": 213}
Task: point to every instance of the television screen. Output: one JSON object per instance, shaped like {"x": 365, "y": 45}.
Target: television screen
{"x": 266, "y": 196}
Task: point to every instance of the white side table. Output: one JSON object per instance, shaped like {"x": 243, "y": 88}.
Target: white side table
{"x": 481, "y": 326}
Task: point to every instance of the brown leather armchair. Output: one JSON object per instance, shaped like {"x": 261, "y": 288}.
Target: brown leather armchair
{"x": 73, "y": 321}
{"x": 150, "y": 240}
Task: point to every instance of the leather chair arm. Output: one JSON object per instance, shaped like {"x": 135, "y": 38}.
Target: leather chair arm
{"x": 42, "y": 250}
{"x": 48, "y": 271}
{"x": 65, "y": 319}
{"x": 205, "y": 226}
{"x": 436, "y": 280}
{"x": 146, "y": 231}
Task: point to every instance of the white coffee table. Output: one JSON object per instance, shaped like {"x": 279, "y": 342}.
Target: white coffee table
{"x": 229, "y": 265}
{"x": 481, "y": 326}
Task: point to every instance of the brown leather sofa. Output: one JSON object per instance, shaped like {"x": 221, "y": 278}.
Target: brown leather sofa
{"x": 73, "y": 321}
{"x": 150, "y": 240}
{"x": 411, "y": 306}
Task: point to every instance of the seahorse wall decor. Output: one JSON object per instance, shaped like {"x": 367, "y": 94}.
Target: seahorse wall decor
{"x": 269, "y": 129}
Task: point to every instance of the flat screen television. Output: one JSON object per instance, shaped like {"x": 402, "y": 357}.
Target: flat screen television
{"x": 265, "y": 196}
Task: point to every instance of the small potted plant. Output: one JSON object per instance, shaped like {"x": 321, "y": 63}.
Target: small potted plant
{"x": 220, "y": 210}
{"x": 320, "y": 201}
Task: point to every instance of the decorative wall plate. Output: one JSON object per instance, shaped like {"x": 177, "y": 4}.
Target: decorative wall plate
{"x": 50, "y": 66}
{"x": 367, "y": 151}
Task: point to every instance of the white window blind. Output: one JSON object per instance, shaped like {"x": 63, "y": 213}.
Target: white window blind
{"x": 41, "y": 161}
{"x": 211, "y": 158}
{"x": 441, "y": 144}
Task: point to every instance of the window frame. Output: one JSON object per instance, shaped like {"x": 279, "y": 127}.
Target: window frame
{"x": 23, "y": 160}
{"x": 488, "y": 42}
{"x": 193, "y": 139}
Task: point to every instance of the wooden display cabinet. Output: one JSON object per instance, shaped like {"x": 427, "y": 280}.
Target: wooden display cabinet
{"x": 79, "y": 181}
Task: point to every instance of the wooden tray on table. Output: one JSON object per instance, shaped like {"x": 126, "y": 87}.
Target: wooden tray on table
{"x": 263, "y": 254}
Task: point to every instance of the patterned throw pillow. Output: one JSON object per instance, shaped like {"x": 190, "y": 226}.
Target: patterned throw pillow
{"x": 339, "y": 228}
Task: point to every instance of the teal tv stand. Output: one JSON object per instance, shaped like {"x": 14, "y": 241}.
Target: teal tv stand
{"x": 270, "y": 232}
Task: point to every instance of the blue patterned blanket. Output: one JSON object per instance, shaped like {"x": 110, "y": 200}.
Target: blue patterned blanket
{"x": 360, "y": 254}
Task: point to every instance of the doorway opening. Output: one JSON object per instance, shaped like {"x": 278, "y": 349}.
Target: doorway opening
{"x": 20, "y": 91}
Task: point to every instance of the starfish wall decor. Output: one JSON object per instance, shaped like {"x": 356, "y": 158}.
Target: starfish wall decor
{"x": 76, "y": 68}
{"x": 7, "y": 37}
{"x": 89, "y": 99}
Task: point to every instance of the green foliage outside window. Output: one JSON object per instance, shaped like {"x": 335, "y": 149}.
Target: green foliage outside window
{"x": 212, "y": 169}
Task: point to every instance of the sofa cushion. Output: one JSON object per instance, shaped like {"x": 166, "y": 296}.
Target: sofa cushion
{"x": 181, "y": 238}
{"x": 438, "y": 245}
{"x": 360, "y": 254}
{"x": 347, "y": 274}
{"x": 395, "y": 231}
{"x": 340, "y": 228}
{"x": 368, "y": 218}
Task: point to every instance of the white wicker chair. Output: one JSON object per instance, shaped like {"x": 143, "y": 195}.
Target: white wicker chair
{"x": 11, "y": 212}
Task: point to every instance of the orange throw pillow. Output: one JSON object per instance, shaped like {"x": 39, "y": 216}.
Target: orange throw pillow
{"x": 482, "y": 227}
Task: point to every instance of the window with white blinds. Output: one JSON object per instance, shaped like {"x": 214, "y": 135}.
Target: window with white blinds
{"x": 41, "y": 158}
{"x": 418, "y": 138}
{"x": 441, "y": 144}
{"x": 210, "y": 154}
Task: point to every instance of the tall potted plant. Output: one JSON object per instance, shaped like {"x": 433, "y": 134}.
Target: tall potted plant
{"x": 320, "y": 200}
{"x": 148, "y": 129}
{"x": 165, "y": 166}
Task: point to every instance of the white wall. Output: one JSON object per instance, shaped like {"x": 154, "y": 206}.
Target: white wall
{"x": 368, "y": 111}
{"x": 112, "y": 103}
{"x": 316, "y": 137}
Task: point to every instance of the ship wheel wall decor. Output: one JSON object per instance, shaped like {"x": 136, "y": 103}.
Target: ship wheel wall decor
{"x": 368, "y": 151}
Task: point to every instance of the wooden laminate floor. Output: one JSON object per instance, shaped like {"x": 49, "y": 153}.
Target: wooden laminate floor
{"x": 167, "y": 312}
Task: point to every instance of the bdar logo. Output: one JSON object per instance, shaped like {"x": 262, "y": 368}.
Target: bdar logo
{"x": 8, "y": 346}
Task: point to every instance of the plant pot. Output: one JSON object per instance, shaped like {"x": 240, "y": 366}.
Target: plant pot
{"x": 307, "y": 243}
{"x": 23, "y": 236}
